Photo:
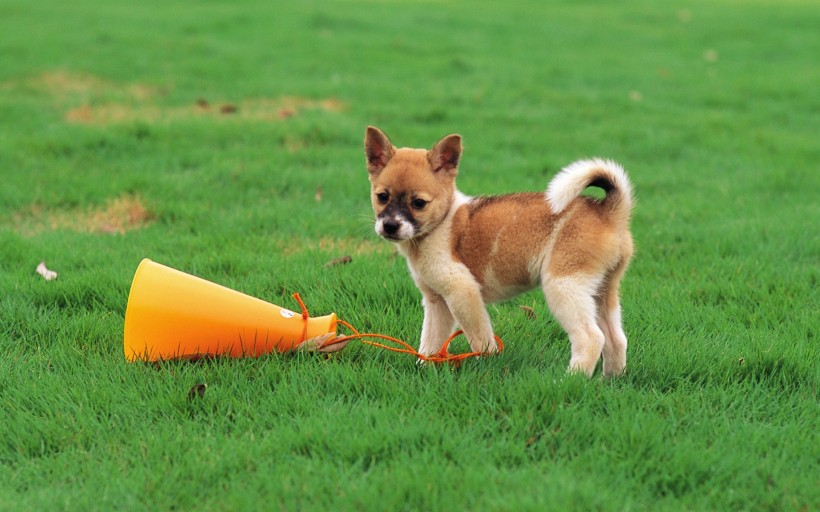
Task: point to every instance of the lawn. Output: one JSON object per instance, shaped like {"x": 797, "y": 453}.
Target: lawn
{"x": 225, "y": 139}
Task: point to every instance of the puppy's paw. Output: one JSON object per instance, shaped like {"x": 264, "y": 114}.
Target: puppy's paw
{"x": 492, "y": 348}
{"x": 581, "y": 368}
{"x": 612, "y": 371}
{"x": 485, "y": 348}
{"x": 614, "y": 364}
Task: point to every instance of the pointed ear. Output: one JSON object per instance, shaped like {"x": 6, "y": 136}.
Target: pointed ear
{"x": 446, "y": 154}
{"x": 378, "y": 149}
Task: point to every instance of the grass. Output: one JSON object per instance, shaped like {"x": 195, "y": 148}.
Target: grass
{"x": 225, "y": 140}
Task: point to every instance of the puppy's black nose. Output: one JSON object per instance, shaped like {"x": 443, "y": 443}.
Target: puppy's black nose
{"x": 390, "y": 227}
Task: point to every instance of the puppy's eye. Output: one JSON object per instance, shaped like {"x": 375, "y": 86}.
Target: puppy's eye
{"x": 418, "y": 204}
{"x": 383, "y": 197}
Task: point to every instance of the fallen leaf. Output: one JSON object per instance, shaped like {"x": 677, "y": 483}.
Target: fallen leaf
{"x": 228, "y": 109}
{"x": 344, "y": 260}
{"x": 323, "y": 344}
{"x": 47, "y": 274}
{"x": 197, "y": 391}
{"x": 529, "y": 312}
{"x": 202, "y": 103}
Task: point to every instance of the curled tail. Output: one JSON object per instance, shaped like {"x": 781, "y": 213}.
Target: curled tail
{"x": 606, "y": 174}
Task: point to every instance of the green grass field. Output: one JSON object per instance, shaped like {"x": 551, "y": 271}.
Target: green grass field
{"x": 225, "y": 139}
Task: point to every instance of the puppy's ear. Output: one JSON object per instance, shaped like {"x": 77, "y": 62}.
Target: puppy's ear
{"x": 445, "y": 155}
{"x": 378, "y": 149}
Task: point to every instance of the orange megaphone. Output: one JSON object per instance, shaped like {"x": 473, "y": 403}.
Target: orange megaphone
{"x": 171, "y": 314}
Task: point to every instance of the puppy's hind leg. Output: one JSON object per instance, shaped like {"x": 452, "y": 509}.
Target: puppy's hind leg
{"x": 609, "y": 320}
{"x": 572, "y": 302}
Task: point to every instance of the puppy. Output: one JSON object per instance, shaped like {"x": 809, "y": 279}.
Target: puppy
{"x": 464, "y": 252}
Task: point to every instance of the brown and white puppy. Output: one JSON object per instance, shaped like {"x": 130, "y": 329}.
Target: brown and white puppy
{"x": 466, "y": 251}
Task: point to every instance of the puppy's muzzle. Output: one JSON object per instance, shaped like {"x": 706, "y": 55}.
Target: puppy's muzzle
{"x": 394, "y": 228}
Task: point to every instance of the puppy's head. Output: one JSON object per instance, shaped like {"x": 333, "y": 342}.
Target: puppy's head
{"x": 411, "y": 189}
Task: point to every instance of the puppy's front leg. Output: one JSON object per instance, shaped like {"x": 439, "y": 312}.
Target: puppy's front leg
{"x": 469, "y": 311}
{"x": 438, "y": 323}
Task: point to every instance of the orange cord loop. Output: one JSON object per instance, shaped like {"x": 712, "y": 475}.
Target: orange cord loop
{"x": 443, "y": 356}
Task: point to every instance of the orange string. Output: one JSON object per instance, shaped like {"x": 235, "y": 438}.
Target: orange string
{"x": 443, "y": 356}
{"x": 305, "y": 315}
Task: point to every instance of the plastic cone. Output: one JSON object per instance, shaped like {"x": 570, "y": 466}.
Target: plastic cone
{"x": 171, "y": 314}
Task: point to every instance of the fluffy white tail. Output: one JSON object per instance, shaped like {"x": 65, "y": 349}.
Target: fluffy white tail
{"x": 606, "y": 174}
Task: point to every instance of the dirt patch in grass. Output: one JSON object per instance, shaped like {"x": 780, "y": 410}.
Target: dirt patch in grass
{"x": 66, "y": 85}
{"x": 352, "y": 246}
{"x": 246, "y": 110}
{"x": 117, "y": 216}
{"x": 337, "y": 246}
{"x": 91, "y": 100}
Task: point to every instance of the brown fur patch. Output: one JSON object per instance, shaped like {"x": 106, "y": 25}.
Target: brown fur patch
{"x": 117, "y": 216}
{"x": 502, "y": 234}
